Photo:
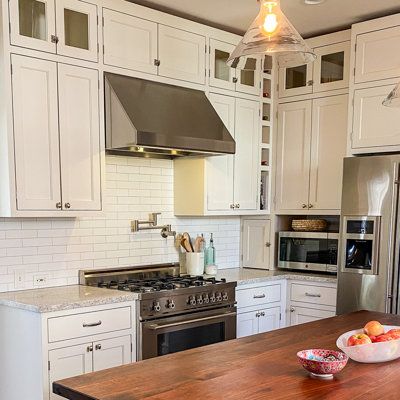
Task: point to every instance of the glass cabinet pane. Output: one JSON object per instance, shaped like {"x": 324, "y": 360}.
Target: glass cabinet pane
{"x": 296, "y": 77}
{"x": 332, "y": 67}
{"x": 76, "y": 25}
{"x": 32, "y": 19}
{"x": 221, "y": 69}
{"x": 247, "y": 75}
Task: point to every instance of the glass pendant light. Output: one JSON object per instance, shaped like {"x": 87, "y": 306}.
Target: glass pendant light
{"x": 393, "y": 99}
{"x": 271, "y": 32}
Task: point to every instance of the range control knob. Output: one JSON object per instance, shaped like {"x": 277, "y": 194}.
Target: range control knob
{"x": 224, "y": 296}
{"x": 200, "y": 299}
{"x": 170, "y": 304}
{"x": 212, "y": 298}
{"x": 206, "y": 299}
{"x": 156, "y": 306}
{"x": 192, "y": 301}
{"x": 218, "y": 296}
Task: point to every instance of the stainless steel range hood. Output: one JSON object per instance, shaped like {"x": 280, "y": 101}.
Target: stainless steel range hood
{"x": 151, "y": 119}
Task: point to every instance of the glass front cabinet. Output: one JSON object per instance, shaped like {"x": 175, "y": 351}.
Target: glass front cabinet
{"x": 330, "y": 71}
{"x": 224, "y": 77}
{"x": 65, "y": 27}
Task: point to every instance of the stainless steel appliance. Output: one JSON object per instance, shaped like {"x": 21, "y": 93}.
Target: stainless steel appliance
{"x": 146, "y": 118}
{"x": 368, "y": 275}
{"x": 174, "y": 312}
{"x": 312, "y": 251}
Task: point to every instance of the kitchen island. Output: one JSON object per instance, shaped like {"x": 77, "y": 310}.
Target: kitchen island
{"x": 257, "y": 367}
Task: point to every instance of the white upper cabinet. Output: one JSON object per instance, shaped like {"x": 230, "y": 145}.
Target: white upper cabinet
{"x": 77, "y": 29}
{"x": 36, "y": 137}
{"x": 328, "y": 148}
{"x": 130, "y": 42}
{"x": 65, "y": 27}
{"x": 377, "y": 55}
{"x": 374, "y": 125}
{"x": 33, "y": 24}
{"x": 332, "y": 67}
{"x": 79, "y": 138}
{"x": 182, "y": 55}
{"x": 256, "y": 244}
{"x": 248, "y": 80}
{"x": 220, "y": 168}
{"x": 293, "y": 155}
{"x": 221, "y": 75}
{"x": 295, "y": 81}
{"x": 247, "y": 137}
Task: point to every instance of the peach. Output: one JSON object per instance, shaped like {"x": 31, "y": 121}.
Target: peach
{"x": 374, "y": 328}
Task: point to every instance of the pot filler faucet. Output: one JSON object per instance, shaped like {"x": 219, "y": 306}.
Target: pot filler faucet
{"x": 151, "y": 224}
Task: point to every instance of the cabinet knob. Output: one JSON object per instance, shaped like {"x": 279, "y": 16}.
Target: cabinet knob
{"x": 67, "y": 206}
{"x": 237, "y": 205}
{"x": 258, "y": 315}
{"x": 235, "y": 80}
{"x": 89, "y": 349}
{"x": 268, "y": 244}
{"x": 304, "y": 206}
{"x": 157, "y": 63}
{"x": 98, "y": 347}
{"x": 232, "y": 206}
{"x": 310, "y": 83}
{"x": 292, "y": 309}
{"x": 263, "y": 314}
{"x": 59, "y": 205}
{"x": 54, "y": 39}
{"x": 310, "y": 206}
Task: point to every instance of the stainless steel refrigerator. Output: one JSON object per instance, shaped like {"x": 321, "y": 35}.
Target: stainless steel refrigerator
{"x": 368, "y": 270}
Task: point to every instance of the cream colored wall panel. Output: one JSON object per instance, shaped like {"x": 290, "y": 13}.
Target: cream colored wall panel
{"x": 79, "y": 138}
{"x": 36, "y": 134}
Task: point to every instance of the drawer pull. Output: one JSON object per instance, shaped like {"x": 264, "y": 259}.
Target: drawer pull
{"x": 259, "y": 296}
{"x": 92, "y": 324}
{"x": 313, "y": 294}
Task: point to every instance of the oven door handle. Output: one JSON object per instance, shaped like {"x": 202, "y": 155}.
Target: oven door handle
{"x": 156, "y": 327}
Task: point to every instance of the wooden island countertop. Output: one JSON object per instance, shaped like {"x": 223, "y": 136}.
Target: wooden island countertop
{"x": 264, "y": 366}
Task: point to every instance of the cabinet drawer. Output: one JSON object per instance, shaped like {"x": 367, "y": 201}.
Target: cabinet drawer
{"x": 258, "y": 295}
{"x": 88, "y": 324}
{"x": 313, "y": 294}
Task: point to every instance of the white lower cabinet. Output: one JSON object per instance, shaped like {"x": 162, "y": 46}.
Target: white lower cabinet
{"x": 259, "y": 308}
{"x": 88, "y": 342}
{"x": 309, "y": 302}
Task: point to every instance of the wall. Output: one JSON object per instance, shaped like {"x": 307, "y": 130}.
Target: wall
{"x": 57, "y": 249}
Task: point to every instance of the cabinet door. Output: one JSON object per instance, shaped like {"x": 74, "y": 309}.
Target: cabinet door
{"x": 248, "y": 80}
{"x": 328, "y": 148}
{"x": 112, "y": 353}
{"x": 246, "y": 161}
{"x": 247, "y": 324}
{"x": 221, "y": 75}
{"x": 332, "y": 67}
{"x": 293, "y": 155}
{"x": 269, "y": 319}
{"x": 377, "y": 55}
{"x": 79, "y": 137}
{"x": 220, "y": 168}
{"x": 182, "y": 55}
{"x": 68, "y": 362}
{"x": 256, "y": 243}
{"x": 374, "y": 125}
{"x": 32, "y": 24}
{"x": 77, "y": 29}
{"x": 129, "y": 42}
{"x": 295, "y": 81}
{"x": 36, "y": 139}
{"x": 301, "y": 315}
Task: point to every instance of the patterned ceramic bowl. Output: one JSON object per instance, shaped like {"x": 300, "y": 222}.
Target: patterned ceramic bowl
{"x": 322, "y": 363}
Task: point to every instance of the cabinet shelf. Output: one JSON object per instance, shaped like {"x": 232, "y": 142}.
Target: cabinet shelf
{"x": 265, "y": 168}
{"x": 266, "y": 123}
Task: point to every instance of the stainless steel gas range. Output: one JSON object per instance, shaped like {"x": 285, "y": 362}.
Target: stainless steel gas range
{"x": 174, "y": 312}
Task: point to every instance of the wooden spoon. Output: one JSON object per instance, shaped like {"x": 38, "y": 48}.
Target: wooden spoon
{"x": 187, "y": 244}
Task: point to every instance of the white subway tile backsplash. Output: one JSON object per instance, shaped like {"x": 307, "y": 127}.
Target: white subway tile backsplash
{"x": 135, "y": 187}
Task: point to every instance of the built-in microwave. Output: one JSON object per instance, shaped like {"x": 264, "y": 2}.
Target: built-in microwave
{"x": 312, "y": 251}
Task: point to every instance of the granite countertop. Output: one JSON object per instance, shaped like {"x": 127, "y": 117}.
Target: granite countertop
{"x": 63, "y": 298}
{"x": 246, "y": 276}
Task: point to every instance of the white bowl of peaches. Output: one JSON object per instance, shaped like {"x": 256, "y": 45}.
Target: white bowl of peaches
{"x": 375, "y": 343}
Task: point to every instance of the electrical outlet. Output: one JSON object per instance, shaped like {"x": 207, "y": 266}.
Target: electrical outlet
{"x": 19, "y": 279}
{"x": 40, "y": 280}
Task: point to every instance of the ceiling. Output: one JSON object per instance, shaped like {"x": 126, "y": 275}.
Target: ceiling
{"x": 237, "y": 15}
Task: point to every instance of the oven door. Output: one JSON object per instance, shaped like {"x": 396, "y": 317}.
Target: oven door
{"x": 183, "y": 332}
